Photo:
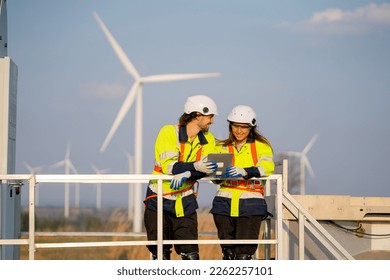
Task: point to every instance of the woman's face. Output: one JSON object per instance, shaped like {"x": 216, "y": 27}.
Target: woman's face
{"x": 240, "y": 132}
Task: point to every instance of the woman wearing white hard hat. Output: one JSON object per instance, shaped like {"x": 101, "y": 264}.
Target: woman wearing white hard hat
{"x": 239, "y": 206}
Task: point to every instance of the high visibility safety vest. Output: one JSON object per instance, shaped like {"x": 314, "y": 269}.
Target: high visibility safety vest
{"x": 172, "y": 146}
{"x": 242, "y": 195}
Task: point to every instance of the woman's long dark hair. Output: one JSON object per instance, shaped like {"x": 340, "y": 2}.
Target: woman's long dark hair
{"x": 254, "y": 134}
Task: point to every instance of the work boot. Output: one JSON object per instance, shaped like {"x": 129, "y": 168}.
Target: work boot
{"x": 166, "y": 255}
{"x": 228, "y": 253}
{"x": 243, "y": 257}
{"x": 190, "y": 256}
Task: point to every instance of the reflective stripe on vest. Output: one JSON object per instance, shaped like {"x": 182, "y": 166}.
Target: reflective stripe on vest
{"x": 179, "y": 209}
{"x": 253, "y": 151}
{"x": 168, "y": 194}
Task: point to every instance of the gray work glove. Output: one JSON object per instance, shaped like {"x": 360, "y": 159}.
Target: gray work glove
{"x": 207, "y": 167}
{"x": 235, "y": 172}
{"x": 179, "y": 179}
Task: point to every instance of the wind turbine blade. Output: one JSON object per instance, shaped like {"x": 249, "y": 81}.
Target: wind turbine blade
{"x": 176, "y": 77}
{"x": 126, "y": 153}
{"x": 308, "y": 165}
{"x": 130, "y": 158}
{"x": 29, "y": 167}
{"x": 39, "y": 168}
{"x": 121, "y": 114}
{"x": 72, "y": 168}
{"x": 117, "y": 49}
{"x": 310, "y": 144}
{"x": 58, "y": 164}
{"x": 67, "y": 153}
{"x": 95, "y": 168}
{"x": 33, "y": 170}
{"x": 97, "y": 171}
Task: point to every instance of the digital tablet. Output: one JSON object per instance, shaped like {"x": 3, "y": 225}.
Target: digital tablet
{"x": 223, "y": 161}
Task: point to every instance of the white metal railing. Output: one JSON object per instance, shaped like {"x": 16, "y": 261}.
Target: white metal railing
{"x": 33, "y": 180}
{"x": 306, "y": 220}
{"x": 282, "y": 199}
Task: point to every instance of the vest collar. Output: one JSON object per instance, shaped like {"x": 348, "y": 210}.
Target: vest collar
{"x": 183, "y": 137}
{"x": 250, "y": 140}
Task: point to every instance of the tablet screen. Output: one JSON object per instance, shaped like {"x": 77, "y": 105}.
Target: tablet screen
{"x": 222, "y": 160}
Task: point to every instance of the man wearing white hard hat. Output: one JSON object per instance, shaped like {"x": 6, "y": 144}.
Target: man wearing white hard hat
{"x": 179, "y": 150}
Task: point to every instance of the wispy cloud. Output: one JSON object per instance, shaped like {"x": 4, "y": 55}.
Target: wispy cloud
{"x": 334, "y": 20}
{"x": 103, "y": 90}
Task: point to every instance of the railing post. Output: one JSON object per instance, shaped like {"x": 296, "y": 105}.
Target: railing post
{"x": 159, "y": 221}
{"x": 267, "y": 224}
{"x": 267, "y": 236}
{"x": 285, "y": 175}
{"x": 279, "y": 226}
{"x": 31, "y": 221}
{"x": 301, "y": 235}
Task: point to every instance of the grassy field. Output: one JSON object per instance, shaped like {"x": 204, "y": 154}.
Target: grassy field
{"x": 114, "y": 220}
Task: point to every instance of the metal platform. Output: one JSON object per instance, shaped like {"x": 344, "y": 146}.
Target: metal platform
{"x": 360, "y": 224}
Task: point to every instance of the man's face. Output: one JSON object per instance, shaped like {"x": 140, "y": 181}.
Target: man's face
{"x": 204, "y": 122}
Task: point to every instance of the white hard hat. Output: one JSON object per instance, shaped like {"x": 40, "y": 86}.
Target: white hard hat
{"x": 242, "y": 114}
{"x": 202, "y": 104}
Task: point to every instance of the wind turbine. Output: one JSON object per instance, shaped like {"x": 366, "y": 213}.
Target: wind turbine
{"x": 33, "y": 171}
{"x": 304, "y": 162}
{"x": 136, "y": 93}
{"x": 98, "y": 187}
{"x": 69, "y": 167}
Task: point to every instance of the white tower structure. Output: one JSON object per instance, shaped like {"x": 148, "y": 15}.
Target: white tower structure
{"x": 69, "y": 168}
{"x": 98, "y": 187}
{"x": 9, "y": 195}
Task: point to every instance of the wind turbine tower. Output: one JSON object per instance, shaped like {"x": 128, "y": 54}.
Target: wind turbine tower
{"x": 9, "y": 195}
{"x": 98, "y": 187}
{"x": 69, "y": 167}
{"x": 135, "y": 93}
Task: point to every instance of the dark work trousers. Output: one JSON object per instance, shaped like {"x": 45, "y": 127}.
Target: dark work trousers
{"x": 246, "y": 227}
{"x": 174, "y": 228}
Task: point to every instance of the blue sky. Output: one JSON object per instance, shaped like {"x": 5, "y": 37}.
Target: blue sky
{"x": 306, "y": 67}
